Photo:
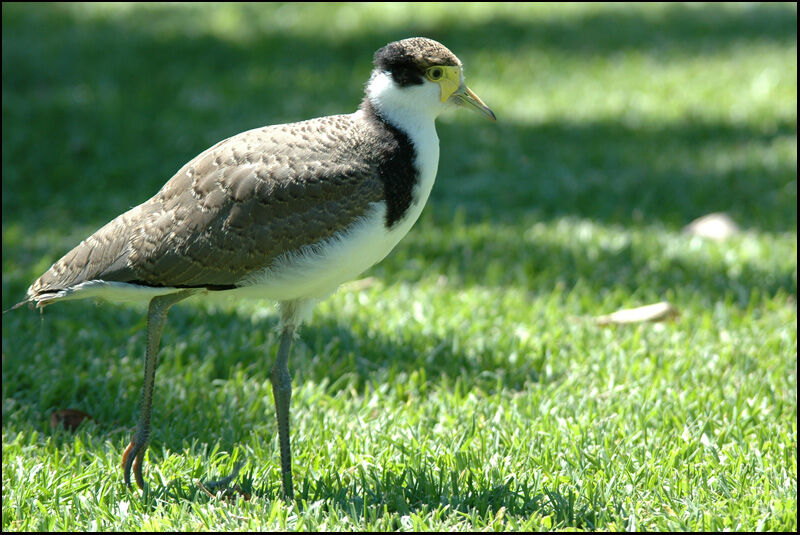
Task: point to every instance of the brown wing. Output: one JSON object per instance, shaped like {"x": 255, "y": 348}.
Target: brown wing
{"x": 234, "y": 208}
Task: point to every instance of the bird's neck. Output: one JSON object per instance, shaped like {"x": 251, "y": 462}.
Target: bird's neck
{"x": 413, "y": 111}
{"x": 391, "y": 106}
{"x": 409, "y": 109}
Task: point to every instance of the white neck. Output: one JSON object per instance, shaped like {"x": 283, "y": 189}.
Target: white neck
{"x": 412, "y": 109}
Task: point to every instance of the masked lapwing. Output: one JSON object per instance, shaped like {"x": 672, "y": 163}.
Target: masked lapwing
{"x": 285, "y": 212}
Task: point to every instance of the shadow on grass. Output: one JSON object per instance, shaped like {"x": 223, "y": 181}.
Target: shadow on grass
{"x": 372, "y": 494}
{"x": 423, "y": 490}
{"x": 676, "y": 30}
{"x": 612, "y": 172}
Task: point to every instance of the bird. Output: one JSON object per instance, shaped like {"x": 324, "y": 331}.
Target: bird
{"x": 285, "y": 212}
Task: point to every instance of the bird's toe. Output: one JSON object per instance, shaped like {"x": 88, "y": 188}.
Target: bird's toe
{"x": 133, "y": 458}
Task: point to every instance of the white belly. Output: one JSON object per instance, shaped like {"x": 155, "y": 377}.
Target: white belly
{"x": 316, "y": 271}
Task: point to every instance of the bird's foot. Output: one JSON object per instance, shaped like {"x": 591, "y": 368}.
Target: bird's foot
{"x": 134, "y": 458}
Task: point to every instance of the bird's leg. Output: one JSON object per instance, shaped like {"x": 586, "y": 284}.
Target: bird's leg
{"x": 282, "y": 393}
{"x": 156, "y": 316}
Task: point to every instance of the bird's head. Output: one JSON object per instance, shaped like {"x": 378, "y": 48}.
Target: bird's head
{"x": 422, "y": 75}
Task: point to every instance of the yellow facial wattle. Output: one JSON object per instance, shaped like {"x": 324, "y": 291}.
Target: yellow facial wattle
{"x": 448, "y": 78}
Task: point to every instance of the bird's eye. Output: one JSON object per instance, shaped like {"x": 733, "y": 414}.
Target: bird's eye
{"x": 435, "y": 74}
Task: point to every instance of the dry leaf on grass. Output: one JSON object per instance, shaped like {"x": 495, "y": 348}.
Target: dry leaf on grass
{"x": 717, "y": 226}
{"x": 658, "y": 312}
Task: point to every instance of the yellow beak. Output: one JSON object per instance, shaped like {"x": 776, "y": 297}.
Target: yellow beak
{"x": 463, "y": 96}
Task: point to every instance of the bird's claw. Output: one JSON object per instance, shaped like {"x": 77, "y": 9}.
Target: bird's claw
{"x": 134, "y": 458}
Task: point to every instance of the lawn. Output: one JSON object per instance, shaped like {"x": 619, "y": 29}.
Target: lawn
{"x": 465, "y": 385}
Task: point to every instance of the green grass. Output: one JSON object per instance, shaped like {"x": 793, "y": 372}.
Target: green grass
{"x": 468, "y": 388}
